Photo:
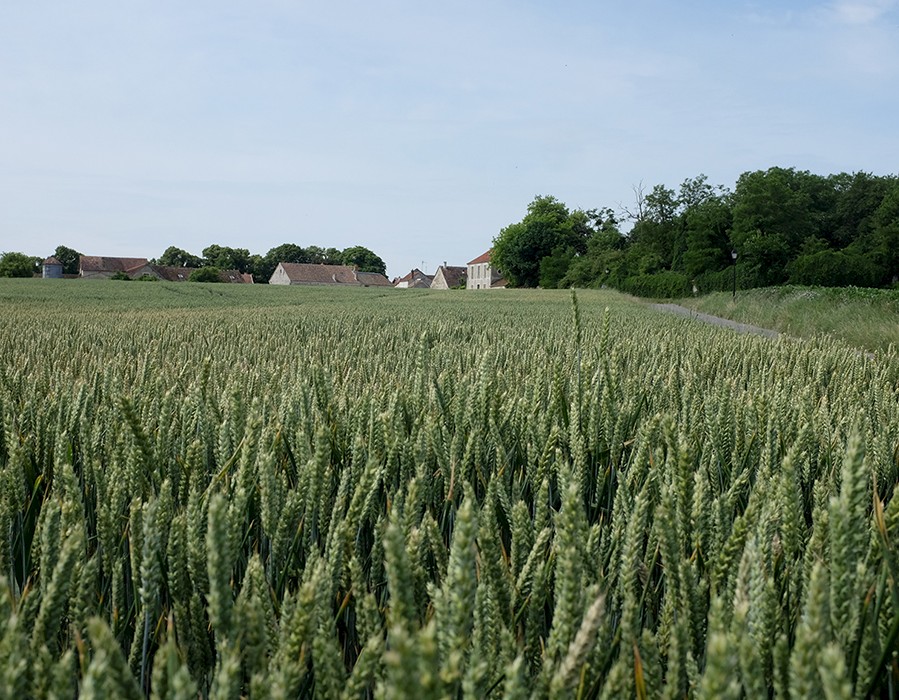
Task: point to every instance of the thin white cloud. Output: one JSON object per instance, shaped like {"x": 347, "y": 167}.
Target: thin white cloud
{"x": 861, "y": 12}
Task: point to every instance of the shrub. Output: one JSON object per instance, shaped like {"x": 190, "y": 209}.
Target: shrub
{"x": 205, "y": 274}
{"x": 661, "y": 285}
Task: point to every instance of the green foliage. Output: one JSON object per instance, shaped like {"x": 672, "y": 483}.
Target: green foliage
{"x": 567, "y": 496}
{"x": 264, "y": 267}
{"x": 553, "y": 268}
{"x": 205, "y": 274}
{"x": 863, "y": 317}
{"x": 18, "y": 265}
{"x": 662, "y": 285}
{"x": 834, "y": 268}
{"x": 324, "y": 256}
{"x": 226, "y": 258}
{"x": 364, "y": 259}
{"x": 547, "y": 227}
{"x": 176, "y": 257}
{"x": 70, "y": 259}
{"x": 787, "y": 226}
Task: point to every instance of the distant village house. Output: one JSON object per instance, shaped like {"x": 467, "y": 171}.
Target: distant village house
{"x": 482, "y": 275}
{"x": 449, "y": 277}
{"x": 104, "y": 267}
{"x": 416, "y": 279}
{"x": 314, "y": 274}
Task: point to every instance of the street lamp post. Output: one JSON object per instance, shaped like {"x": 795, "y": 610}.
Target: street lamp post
{"x": 733, "y": 256}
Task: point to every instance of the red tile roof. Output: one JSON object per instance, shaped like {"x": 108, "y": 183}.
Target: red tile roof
{"x": 485, "y": 257}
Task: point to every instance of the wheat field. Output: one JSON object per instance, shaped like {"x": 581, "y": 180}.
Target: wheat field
{"x": 281, "y": 493}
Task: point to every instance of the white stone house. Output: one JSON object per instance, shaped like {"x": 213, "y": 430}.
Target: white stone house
{"x": 482, "y": 275}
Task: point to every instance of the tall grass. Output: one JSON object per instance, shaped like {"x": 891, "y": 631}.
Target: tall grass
{"x": 865, "y": 318}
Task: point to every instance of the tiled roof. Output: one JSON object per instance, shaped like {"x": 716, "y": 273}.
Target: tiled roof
{"x": 235, "y": 277}
{"x": 311, "y": 273}
{"x": 485, "y": 257}
{"x": 453, "y": 275}
{"x": 51, "y": 261}
{"x": 372, "y": 279}
{"x": 415, "y": 278}
{"x": 182, "y": 274}
{"x": 99, "y": 263}
{"x": 172, "y": 274}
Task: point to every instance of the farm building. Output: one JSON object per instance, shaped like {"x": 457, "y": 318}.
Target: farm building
{"x": 482, "y": 275}
{"x": 102, "y": 267}
{"x": 416, "y": 279}
{"x": 182, "y": 274}
{"x": 313, "y": 274}
{"x": 449, "y": 277}
{"x": 51, "y": 268}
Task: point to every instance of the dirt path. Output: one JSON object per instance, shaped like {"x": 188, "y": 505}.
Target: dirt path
{"x": 715, "y": 320}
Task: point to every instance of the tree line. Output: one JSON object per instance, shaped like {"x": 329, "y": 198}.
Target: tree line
{"x": 785, "y": 226}
{"x": 214, "y": 258}
{"x": 262, "y": 266}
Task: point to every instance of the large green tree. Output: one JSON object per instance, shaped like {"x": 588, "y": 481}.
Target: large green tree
{"x": 176, "y": 257}
{"x": 69, "y": 257}
{"x": 707, "y": 226}
{"x": 774, "y": 212}
{"x": 885, "y": 236}
{"x": 604, "y": 260}
{"x": 226, "y": 258}
{"x": 264, "y": 265}
{"x": 363, "y": 259}
{"x": 14, "y": 264}
{"x": 547, "y": 228}
{"x": 324, "y": 256}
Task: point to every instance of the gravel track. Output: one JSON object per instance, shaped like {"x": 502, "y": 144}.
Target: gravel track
{"x": 715, "y": 320}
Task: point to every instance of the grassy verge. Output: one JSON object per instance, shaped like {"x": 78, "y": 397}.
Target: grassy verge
{"x": 866, "y": 318}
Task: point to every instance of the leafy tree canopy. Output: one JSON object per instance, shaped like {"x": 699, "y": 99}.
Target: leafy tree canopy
{"x": 288, "y": 252}
{"x": 548, "y": 226}
{"x": 176, "y": 257}
{"x": 324, "y": 256}
{"x": 226, "y": 258}
{"x": 205, "y": 274}
{"x": 18, "y": 265}
{"x": 69, "y": 257}
{"x": 364, "y": 259}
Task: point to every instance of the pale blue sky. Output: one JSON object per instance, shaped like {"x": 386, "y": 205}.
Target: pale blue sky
{"x": 416, "y": 129}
